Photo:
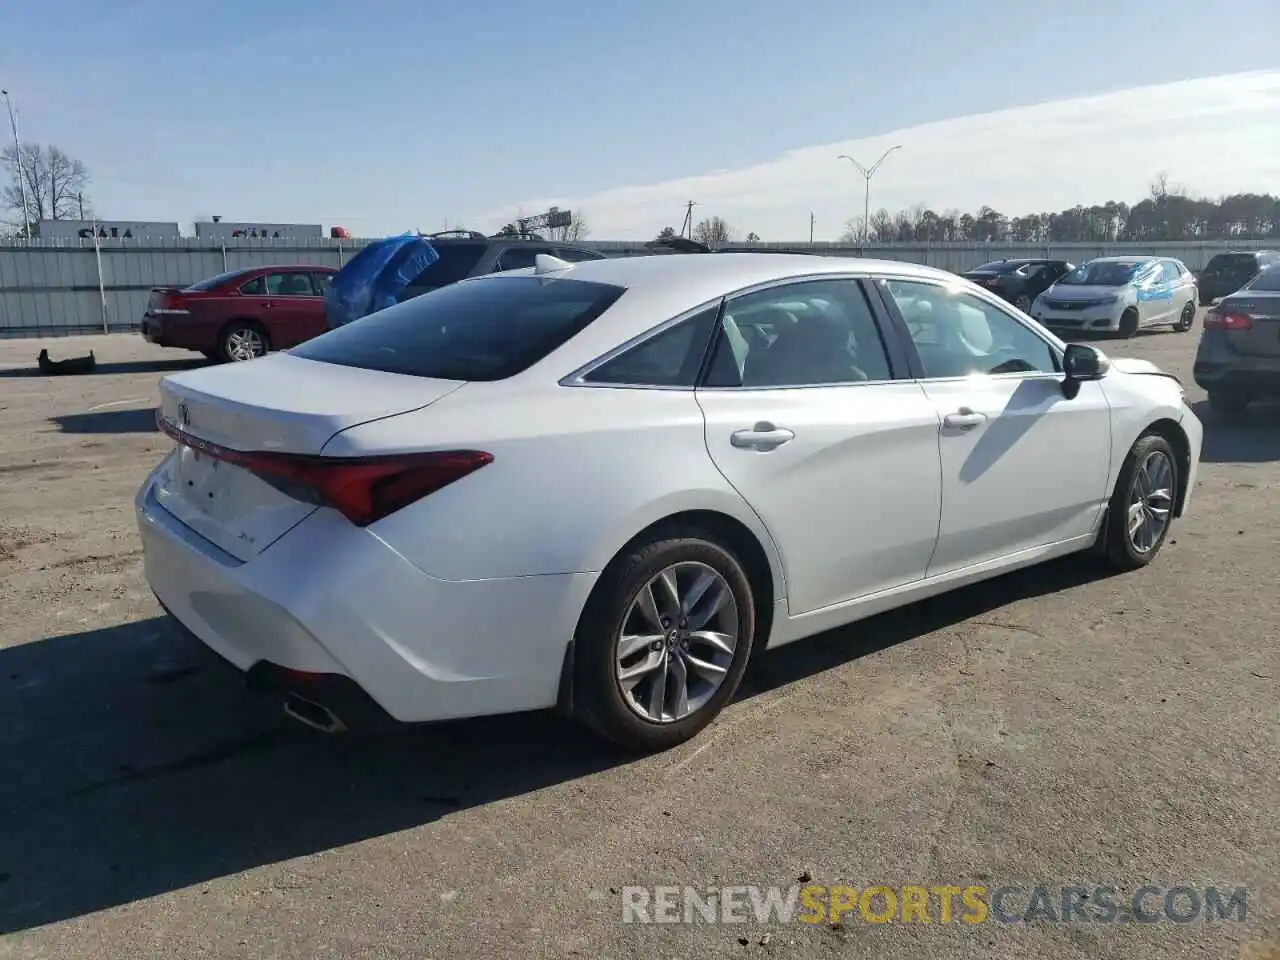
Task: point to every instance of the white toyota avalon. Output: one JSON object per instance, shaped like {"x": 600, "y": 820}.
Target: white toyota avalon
{"x": 603, "y": 486}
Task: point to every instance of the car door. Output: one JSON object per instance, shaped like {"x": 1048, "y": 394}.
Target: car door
{"x": 1155, "y": 294}
{"x": 831, "y": 444}
{"x": 290, "y": 307}
{"x": 1184, "y": 285}
{"x": 1022, "y": 466}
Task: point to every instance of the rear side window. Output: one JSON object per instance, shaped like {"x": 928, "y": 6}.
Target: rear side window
{"x": 1268, "y": 279}
{"x": 257, "y": 287}
{"x": 214, "y": 282}
{"x": 671, "y": 358}
{"x": 456, "y": 262}
{"x": 486, "y": 329}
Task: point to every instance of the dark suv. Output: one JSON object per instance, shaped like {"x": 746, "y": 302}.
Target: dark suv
{"x": 466, "y": 254}
{"x": 1225, "y": 273}
{"x": 1019, "y": 281}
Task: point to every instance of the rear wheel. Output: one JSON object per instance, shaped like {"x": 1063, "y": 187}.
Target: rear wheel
{"x": 1129, "y": 323}
{"x": 664, "y": 641}
{"x": 1228, "y": 403}
{"x": 1141, "y": 509}
{"x": 1186, "y": 318}
{"x": 243, "y": 340}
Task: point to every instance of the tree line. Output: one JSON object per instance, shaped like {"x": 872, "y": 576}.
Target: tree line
{"x": 1167, "y": 213}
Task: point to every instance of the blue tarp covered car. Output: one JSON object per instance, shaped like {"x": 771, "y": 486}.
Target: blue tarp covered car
{"x": 374, "y": 277}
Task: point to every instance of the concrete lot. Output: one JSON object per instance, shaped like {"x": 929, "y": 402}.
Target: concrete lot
{"x": 1049, "y": 727}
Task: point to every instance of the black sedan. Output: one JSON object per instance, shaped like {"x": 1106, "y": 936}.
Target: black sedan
{"x": 1020, "y": 280}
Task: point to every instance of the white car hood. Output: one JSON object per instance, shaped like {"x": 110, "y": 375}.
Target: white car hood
{"x": 1077, "y": 292}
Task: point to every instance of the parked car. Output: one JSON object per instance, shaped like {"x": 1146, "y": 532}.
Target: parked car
{"x": 1120, "y": 295}
{"x": 240, "y": 314}
{"x": 602, "y": 486}
{"x": 1225, "y": 273}
{"x": 1020, "y": 280}
{"x": 1238, "y": 359}
{"x": 465, "y": 253}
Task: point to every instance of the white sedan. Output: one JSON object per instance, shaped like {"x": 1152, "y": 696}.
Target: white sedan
{"x": 603, "y": 486}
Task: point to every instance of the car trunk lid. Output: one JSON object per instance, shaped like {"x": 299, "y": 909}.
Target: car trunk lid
{"x": 277, "y": 404}
{"x": 1252, "y": 321}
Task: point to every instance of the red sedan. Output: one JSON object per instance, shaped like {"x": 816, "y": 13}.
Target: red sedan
{"x": 241, "y": 314}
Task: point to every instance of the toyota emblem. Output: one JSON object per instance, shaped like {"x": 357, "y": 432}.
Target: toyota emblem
{"x": 184, "y": 415}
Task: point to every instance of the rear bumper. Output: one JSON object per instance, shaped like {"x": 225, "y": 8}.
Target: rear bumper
{"x": 1218, "y": 367}
{"x": 333, "y": 600}
{"x": 186, "y": 334}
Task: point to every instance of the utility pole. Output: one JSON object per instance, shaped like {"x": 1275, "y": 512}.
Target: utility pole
{"x": 811, "y": 226}
{"x": 22, "y": 176}
{"x": 686, "y": 228}
{"x": 867, "y": 174}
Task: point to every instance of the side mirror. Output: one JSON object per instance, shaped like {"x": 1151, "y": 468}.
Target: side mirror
{"x": 1082, "y": 362}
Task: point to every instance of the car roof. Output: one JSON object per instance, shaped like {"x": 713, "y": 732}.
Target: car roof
{"x": 661, "y": 287}
{"x": 1128, "y": 259}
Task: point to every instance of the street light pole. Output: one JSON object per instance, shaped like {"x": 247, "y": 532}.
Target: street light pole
{"x": 867, "y": 174}
{"x": 17, "y": 156}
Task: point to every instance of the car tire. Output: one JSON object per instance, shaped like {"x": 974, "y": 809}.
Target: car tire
{"x": 1228, "y": 404}
{"x": 243, "y": 340}
{"x": 1150, "y": 461}
{"x": 646, "y": 716}
{"x": 211, "y": 354}
{"x": 1187, "y": 319}
{"x": 1129, "y": 323}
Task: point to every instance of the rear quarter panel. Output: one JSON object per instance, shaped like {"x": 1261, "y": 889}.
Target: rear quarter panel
{"x": 577, "y": 472}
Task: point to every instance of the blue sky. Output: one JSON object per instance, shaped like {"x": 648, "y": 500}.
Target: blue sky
{"x": 391, "y": 115}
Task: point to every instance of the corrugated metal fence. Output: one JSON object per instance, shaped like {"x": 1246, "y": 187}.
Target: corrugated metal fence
{"x": 49, "y": 288}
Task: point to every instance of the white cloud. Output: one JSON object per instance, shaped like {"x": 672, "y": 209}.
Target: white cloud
{"x": 1213, "y": 136}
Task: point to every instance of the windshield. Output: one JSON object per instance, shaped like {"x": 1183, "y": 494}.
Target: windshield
{"x": 486, "y": 329}
{"x": 1101, "y": 273}
{"x": 217, "y": 281}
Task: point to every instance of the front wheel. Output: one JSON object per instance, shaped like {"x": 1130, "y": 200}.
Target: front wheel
{"x": 664, "y": 641}
{"x": 1141, "y": 508}
{"x": 1187, "y": 318}
{"x": 1129, "y": 323}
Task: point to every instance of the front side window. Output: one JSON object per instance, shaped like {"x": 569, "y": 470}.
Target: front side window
{"x": 292, "y": 284}
{"x": 801, "y": 334}
{"x": 485, "y": 329}
{"x": 959, "y": 335}
{"x": 668, "y": 359}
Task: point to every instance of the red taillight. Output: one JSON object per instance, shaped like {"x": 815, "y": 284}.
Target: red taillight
{"x": 362, "y": 489}
{"x": 1217, "y": 320}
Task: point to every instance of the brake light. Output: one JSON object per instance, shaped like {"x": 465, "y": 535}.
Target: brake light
{"x": 1217, "y": 320}
{"x": 171, "y": 303}
{"x": 362, "y": 489}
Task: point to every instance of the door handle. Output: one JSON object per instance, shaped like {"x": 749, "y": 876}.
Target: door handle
{"x": 964, "y": 419}
{"x": 764, "y": 436}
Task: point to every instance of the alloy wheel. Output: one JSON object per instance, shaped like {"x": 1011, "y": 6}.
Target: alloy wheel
{"x": 677, "y": 642}
{"x": 1150, "y": 501}
{"x": 245, "y": 344}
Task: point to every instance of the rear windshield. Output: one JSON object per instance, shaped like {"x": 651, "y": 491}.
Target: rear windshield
{"x": 486, "y": 329}
{"x": 1231, "y": 263}
{"x": 1105, "y": 273}
{"x": 1268, "y": 279}
{"x": 456, "y": 262}
{"x": 217, "y": 281}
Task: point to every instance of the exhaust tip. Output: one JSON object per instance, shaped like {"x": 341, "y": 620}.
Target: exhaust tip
{"x": 314, "y": 715}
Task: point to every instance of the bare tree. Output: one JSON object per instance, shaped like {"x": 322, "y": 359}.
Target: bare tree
{"x": 852, "y": 230}
{"x": 712, "y": 230}
{"x": 576, "y": 230}
{"x": 753, "y": 236}
{"x": 667, "y": 233}
{"x": 55, "y": 183}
